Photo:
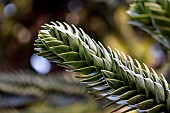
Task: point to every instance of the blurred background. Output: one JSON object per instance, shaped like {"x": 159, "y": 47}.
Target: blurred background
{"x": 103, "y": 20}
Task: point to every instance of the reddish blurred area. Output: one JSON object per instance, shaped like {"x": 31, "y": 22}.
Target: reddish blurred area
{"x": 20, "y": 21}
{"x": 18, "y": 31}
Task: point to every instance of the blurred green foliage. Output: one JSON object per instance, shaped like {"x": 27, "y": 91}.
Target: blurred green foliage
{"x": 26, "y": 92}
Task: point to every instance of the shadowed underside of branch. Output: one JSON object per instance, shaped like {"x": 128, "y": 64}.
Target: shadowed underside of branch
{"x": 152, "y": 16}
{"x": 111, "y": 74}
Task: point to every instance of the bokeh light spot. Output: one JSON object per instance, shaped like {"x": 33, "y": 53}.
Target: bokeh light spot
{"x": 40, "y": 64}
{"x": 75, "y": 5}
{"x": 9, "y": 10}
{"x": 72, "y": 18}
{"x": 17, "y": 27}
{"x": 158, "y": 54}
{"x": 21, "y": 33}
{"x": 24, "y": 35}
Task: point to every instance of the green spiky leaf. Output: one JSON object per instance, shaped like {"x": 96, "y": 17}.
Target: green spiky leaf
{"x": 109, "y": 74}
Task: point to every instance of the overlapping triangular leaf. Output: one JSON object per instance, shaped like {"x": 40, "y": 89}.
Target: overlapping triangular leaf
{"x": 112, "y": 75}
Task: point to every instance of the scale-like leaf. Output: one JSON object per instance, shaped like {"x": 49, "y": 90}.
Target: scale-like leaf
{"x": 112, "y": 75}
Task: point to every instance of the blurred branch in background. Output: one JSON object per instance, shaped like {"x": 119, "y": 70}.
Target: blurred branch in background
{"x": 24, "y": 91}
{"x": 153, "y": 18}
